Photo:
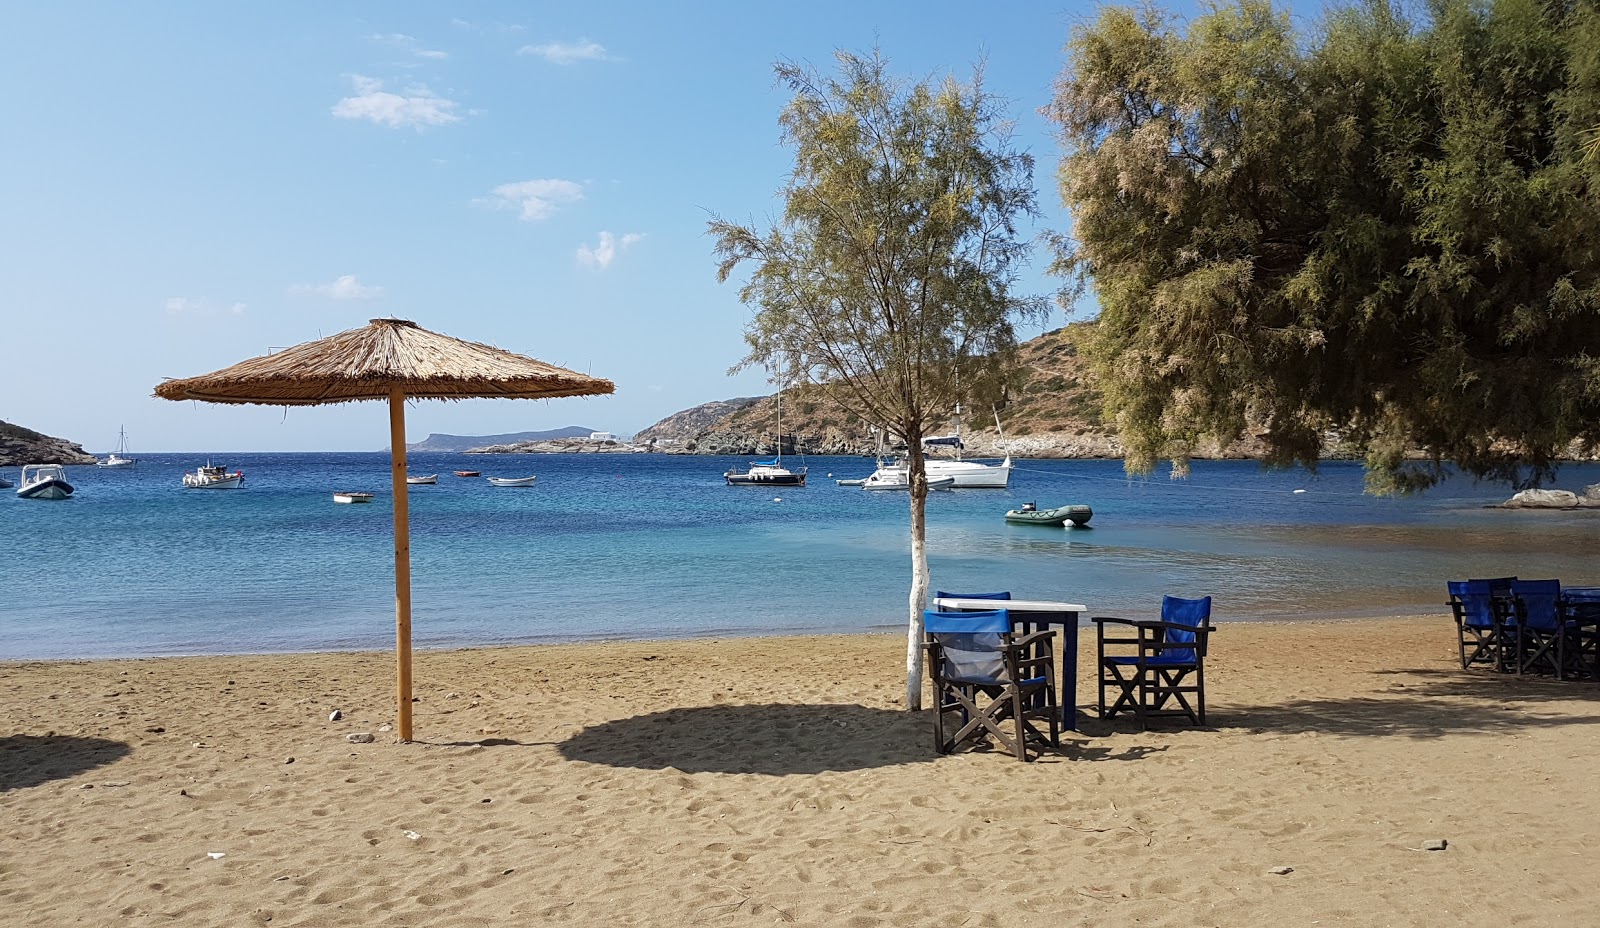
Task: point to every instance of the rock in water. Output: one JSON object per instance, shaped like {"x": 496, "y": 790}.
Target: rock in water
{"x": 1542, "y": 499}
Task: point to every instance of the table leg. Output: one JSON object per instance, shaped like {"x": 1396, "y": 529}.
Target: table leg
{"x": 1069, "y": 672}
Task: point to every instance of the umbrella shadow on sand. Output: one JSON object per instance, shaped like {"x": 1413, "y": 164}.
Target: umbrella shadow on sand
{"x": 33, "y": 760}
{"x": 777, "y": 739}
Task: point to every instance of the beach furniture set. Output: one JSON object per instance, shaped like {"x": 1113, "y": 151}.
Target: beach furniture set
{"x": 1527, "y": 627}
{"x": 992, "y": 662}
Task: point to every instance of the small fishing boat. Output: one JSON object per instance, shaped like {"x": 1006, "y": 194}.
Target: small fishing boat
{"x": 851, "y": 483}
{"x": 1031, "y": 514}
{"x": 352, "y": 497}
{"x": 424, "y": 478}
{"x": 213, "y": 477}
{"x": 466, "y": 473}
{"x": 512, "y": 481}
{"x": 44, "y": 481}
{"x": 119, "y": 457}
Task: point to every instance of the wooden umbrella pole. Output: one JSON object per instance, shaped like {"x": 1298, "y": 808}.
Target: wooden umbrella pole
{"x": 402, "y": 556}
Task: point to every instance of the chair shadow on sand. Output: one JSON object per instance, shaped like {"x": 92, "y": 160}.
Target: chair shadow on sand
{"x": 1419, "y": 703}
{"x": 782, "y": 739}
{"x": 32, "y": 760}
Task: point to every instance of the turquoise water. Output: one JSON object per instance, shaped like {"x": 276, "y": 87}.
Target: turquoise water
{"x": 654, "y": 546}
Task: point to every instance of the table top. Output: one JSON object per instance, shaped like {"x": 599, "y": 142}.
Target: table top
{"x": 1015, "y": 605}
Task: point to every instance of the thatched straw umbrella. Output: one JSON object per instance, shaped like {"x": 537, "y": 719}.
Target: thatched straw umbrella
{"x": 388, "y": 359}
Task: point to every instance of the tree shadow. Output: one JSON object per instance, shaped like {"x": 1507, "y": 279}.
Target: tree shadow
{"x": 776, "y": 739}
{"x": 31, "y": 760}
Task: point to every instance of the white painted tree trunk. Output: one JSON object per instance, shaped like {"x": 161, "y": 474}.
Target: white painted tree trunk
{"x": 919, "y": 578}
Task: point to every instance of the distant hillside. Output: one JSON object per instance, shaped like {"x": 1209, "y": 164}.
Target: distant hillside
{"x": 441, "y": 442}
{"x": 690, "y": 424}
{"x": 1055, "y": 414}
{"x": 19, "y": 446}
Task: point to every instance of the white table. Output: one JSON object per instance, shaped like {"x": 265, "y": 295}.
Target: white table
{"x": 1030, "y": 612}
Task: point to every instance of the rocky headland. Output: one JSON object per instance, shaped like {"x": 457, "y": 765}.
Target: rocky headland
{"x": 19, "y": 446}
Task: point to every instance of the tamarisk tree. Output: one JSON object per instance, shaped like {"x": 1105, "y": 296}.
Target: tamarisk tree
{"x": 888, "y": 278}
{"x": 1387, "y": 229}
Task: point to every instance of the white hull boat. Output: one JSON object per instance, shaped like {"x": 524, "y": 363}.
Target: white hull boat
{"x": 512, "y": 481}
{"x": 426, "y": 478}
{"x": 213, "y": 477}
{"x": 892, "y": 478}
{"x": 352, "y": 497}
{"x": 972, "y": 475}
{"x": 119, "y": 457}
{"x": 44, "y": 481}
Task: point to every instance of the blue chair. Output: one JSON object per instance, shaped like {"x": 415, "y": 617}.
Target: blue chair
{"x": 1546, "y": 637}
{"x": 991, "y": 676}
{"x": 1485, "y": 626}
{"x": 1162, "y": 662}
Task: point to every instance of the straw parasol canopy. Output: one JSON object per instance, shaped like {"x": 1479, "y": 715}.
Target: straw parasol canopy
{"x": 390, "y": 359}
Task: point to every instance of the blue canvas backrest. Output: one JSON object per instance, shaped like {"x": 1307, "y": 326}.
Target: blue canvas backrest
{"x": 941, "y": 594}
{"x": 1540, "y": 602}
{"x": 1476, "y": 599}
{"x": 970, "y": 643}
{"x": 1498, "y": 586}
{"x": 1190, "y": 612}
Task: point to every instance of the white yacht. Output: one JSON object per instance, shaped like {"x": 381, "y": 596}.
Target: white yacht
{"x": 119, "y": 457}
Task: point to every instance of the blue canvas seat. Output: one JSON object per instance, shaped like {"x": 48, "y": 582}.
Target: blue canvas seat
{"x": 1548, "y": 640}
{"x": 989, "y": 675}
{"x": 1158, "y": 669}
{"x": 1485, "y": 626}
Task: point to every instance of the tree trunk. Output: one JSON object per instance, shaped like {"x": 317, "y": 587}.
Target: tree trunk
{"x": 919, "y": 571}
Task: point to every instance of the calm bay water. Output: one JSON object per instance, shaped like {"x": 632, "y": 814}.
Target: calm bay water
{"x": 654, "y": 546}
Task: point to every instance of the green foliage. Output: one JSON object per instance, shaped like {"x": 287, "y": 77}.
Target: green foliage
{"x": 890, "y": 274}
{"x": 1387, "y": 229}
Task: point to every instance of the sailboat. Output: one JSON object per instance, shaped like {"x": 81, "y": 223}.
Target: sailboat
{"x": 119, "y": 457}
{"x": 768, "y": 473}
{"x": 967, "y": 474}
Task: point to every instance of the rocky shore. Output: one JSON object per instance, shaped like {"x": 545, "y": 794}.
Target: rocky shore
{"x": 19, "y": 446}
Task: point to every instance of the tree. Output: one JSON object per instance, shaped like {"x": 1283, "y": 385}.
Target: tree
{"x": 1389, "y": 231}
{"x": 888, "y": 278}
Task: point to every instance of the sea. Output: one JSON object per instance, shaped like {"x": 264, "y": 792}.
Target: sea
{"x": 647, "y": 546}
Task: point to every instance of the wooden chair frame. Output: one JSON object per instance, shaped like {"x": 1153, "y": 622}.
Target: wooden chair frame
{"x": 1149, "y": 684}
{"x": 1029, "y": 658}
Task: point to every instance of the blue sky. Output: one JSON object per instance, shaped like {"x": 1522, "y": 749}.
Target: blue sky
{"x": 186, "y": 186}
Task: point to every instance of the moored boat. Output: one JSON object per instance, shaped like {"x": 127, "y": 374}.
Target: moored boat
{"x": 352, "y": 496}
{"x": 512, "y": 481}
{"x": 119, "y": 457}
{"x": 44, "y": 481}
{"x": 421, "y": 479}
{"x": 1031, "y": 514}
{"x": 213, "y": 477}
{"x": 466, "y": 473}
{"x": 765, "y": 474}
{"x": 899, "y": 478}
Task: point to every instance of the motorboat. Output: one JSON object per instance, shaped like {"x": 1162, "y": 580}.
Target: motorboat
{"x": 354, "y": 496}
{"x": 512, "y": 481}
{"x": 899, "y": 478}
{"x": 44, "y": 481}
{"x": 1031, "y": 514}
{"x": 467, "y": 473}
{"x": 6, "y": 484}
{"x": 421, "y": 479}
{"x": 119, "y": 457}
{"x": 213, "y": 477}
{"x": 765, "y": 474}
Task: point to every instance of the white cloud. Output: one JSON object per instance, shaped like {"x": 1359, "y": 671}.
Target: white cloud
{"x": 566, "y": 52}
{"x": 409, "y": 43}
{"x": 184, "y": 306}
{"x": 418, "y": 107}
{"x": 604, "y": 253}
{"x": 534, "y": 199}
{"x": 346, "y": 287}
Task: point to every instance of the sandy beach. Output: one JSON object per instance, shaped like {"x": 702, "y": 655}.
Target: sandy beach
{"x": 777, "y": 781}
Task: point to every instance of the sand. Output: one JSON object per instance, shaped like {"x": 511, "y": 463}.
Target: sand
{"x": 778, "y": 782}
